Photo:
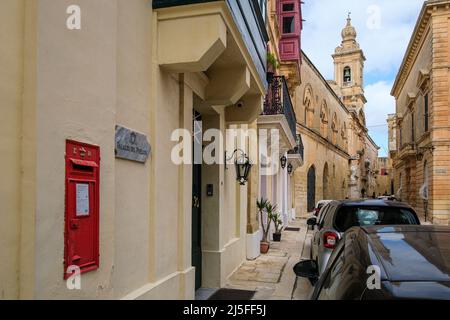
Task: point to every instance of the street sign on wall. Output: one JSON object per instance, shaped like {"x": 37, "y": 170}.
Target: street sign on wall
{"x": 131, "y": 145}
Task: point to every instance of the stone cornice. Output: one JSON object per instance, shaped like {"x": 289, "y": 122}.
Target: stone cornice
{"x": 316, "y": 136}
{"x": 325, "y": 82}
{"x": 416, "y": 42}
{"x": 349, "y": 52}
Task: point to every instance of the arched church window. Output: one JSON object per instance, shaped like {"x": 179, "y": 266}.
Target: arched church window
{"x": 324, "y": 120}
{"x": 344, "y": 135}
{"x": 334, "y": 128}
{"x": 309, "y": 108}
{"x": 347, "y": 75}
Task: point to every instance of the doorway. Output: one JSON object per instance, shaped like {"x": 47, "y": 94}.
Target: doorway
{"x": 196, "y": 204}
{"x": 311, "y": 192}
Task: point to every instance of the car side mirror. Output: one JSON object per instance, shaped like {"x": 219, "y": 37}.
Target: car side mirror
{"x": 307, "y": 269}
{"x": 311, "y": 221}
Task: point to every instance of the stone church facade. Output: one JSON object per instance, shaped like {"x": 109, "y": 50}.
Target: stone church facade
{"x": 340, "y": 157}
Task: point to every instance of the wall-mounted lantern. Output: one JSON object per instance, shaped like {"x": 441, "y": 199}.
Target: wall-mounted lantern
{"x": 242, "y": 164}
{"x": 289, "y": 169}
{"x": 283, "y": 161}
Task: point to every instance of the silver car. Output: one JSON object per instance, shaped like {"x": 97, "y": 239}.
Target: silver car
{"x": 339, "y": 216}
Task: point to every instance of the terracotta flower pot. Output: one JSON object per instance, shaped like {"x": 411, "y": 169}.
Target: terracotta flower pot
{"x": 277, "y": 237}
{"x": 264, "y": 247}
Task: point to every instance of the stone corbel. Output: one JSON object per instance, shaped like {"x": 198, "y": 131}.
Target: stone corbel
{"x": 411, "y": 99}
{"x": 247, "y": 110}
{"x": 227, "y": 85}
{"x": 191, "y": 44}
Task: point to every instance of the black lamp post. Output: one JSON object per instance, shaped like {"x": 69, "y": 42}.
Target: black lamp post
{"x": 242, "y": 165}
{"x": 289, "y": 168}
{"x": 283, "y": 162}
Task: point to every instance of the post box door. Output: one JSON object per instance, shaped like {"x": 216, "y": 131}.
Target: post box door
{"x": 82, "y": 224}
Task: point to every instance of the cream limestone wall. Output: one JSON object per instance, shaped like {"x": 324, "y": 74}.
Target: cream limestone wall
{"x": 432, "y": 56}
{"x": 78, "y": 84}
{"x": 224, "y": 216}
{"x": 319, "y": 149}
{"x": 76, "y": 99}
{"x": 132, "y": 196}
{"x": 28, "y": 155}
{"x": 11, "y": 83}
{"x": 318, "y": 155}
{"x": 422, "y": 61}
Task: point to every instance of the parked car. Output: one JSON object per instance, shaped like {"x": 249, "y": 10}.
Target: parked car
{"x": 323, "y": 208}
{"x": 413, "y": 262}
{"x": 389, "y": 198}
{"x": 339, "y": 216}
{"x": 320, "y": 205}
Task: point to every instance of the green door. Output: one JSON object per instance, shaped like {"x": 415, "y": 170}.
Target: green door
{"x": 196, "y": 225}
{"x": 196, "y": 207}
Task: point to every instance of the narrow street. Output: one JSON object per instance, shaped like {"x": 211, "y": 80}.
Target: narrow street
{"x": 271, "y": 275}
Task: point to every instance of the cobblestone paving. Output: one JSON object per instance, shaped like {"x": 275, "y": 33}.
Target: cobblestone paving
{"x": 271, "y": 275}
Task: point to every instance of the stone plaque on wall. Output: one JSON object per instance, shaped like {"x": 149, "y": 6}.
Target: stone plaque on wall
{"x": 131, "y": 145}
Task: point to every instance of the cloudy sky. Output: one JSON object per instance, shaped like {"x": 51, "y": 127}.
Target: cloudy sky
{"x": 384, "y": 28}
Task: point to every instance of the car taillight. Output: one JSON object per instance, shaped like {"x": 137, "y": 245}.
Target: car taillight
{"x": 330, "y": 240}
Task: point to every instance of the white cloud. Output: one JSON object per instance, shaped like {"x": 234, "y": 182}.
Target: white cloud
{"x": 384, "y": 41}
{"x": 384, "y": 29}
{"x": 380, "y": 104}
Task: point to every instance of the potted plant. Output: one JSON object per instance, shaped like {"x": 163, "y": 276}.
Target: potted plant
{"x": 270, "y": 210}
{"x": 262, "y": 206}
{"x": 272, "y": 66}
{"x": 278, "y": 223}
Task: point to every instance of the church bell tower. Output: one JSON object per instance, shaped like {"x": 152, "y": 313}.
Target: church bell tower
{"x": 349, "y": 69}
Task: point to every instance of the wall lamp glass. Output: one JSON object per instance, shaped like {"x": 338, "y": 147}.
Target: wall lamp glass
{"x": 290, "y": 168}
{"x": 283, "y": 161}
{"x": 242, "y": 164}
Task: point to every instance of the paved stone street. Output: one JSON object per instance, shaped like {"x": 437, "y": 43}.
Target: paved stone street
{"x": 271, "y": 275}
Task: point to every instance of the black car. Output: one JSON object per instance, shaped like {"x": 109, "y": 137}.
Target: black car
{"x": 383, "y": 263}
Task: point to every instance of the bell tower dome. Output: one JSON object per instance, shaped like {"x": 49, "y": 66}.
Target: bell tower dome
{"x": 349, "y": 68}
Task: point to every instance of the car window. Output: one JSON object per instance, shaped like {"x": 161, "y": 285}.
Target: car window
{"x": 323, "y": 216}
{"x": 322, "y": 212}
{"x": 348, "y": 217}
{"x": 328, "y": 218}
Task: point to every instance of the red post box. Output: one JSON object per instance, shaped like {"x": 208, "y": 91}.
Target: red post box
{"x": 81, "y": 236}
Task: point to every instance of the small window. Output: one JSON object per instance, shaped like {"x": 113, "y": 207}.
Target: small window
{"x": 288, "y": 7}
{"x": 288, "y": 25}
{"x": 347, "y": 75}
{"x": 262, "y": 6}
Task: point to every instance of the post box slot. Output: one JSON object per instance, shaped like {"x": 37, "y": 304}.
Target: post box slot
{"x": 83, "y": 165}
{"x": 82, "y": 168}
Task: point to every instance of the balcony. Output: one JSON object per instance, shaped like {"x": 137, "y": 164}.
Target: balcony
{"x": 279, "y": 114}
{"x": 408, "y": 151}
{"x": 244, "y": 22}
{"x": 296, "y": 155}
